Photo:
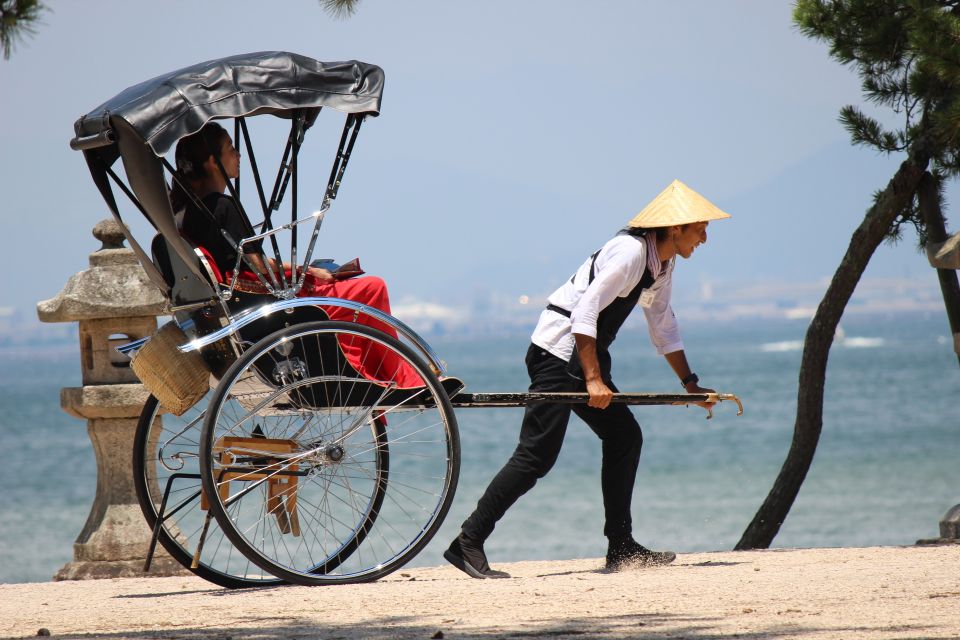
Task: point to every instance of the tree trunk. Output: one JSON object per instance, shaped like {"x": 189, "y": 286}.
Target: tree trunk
{"x": 761, "y": 531}
{"x": 937, "y": 233}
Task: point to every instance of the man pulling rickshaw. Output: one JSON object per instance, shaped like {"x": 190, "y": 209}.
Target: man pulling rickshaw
{"x": 569, "y": 352}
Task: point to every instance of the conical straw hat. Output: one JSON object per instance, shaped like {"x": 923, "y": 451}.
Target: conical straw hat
{"x": 677, "y": 204}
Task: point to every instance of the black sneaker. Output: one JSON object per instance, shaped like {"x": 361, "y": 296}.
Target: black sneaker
{"x": 627, "y": 552}
{"x": 468, "y": 556}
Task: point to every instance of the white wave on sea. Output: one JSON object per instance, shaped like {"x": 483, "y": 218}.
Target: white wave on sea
{"x": 782, "y": 346}
{"x": 853, "y": 342}
{"x": 856, "y": 342}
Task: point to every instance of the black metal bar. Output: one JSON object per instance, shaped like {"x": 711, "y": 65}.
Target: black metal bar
{"x": 130, "y": 194}
{"x": 274, "y": 203}
{"x": 346, "y": 156}
{"x": 263, "y": 199}
{"x": 236, "y": 136}
{"x": 294, "y": 165}
{"x": 253, "y": 166}
{"x": 351, "y": 128}
{"x": 522, "y": 399}
{"x": 293, "y": 145}
{"x": 297, "y": 133}
{"x": 338, "y": 159}
{"x": 186, "y": 501}
{"x": 162, "y": 515}
{"x": 294, "y": 141}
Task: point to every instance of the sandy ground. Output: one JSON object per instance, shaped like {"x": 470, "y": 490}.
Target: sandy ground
{"x": 888, "y": 592}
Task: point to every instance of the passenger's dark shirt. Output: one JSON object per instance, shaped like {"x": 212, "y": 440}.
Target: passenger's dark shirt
{"x": 198, "y": 228}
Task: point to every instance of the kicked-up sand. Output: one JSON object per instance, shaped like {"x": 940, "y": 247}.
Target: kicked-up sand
{"x": 879, "y": 592}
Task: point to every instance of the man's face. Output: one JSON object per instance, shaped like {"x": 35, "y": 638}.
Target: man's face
{"x": 687, "y": 238}
{"x": 230, "y": 158}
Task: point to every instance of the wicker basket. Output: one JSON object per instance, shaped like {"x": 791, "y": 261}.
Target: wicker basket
{"x": 177, "y": 379}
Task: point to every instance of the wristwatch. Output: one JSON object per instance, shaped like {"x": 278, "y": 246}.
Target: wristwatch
{"x": 690, "y": 378}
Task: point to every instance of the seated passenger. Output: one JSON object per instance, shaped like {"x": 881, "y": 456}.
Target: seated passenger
{"x": 196, "y": 163}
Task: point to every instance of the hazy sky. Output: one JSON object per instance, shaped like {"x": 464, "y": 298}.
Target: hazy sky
{"x": 515, "y": 137}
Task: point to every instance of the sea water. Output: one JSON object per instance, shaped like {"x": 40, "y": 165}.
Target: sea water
{"x": 887, "y": 465}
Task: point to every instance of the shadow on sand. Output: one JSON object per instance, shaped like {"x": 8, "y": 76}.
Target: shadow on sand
{"x": 639, "y": 626}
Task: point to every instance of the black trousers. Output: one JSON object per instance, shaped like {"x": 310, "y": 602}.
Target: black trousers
{"x": 541, "y": 436}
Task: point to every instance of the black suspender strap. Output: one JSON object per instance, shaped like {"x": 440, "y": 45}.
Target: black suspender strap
{"x": 636, "y": 233}
{"x": 560, "y": 310}
{"x": 593, "y": 262}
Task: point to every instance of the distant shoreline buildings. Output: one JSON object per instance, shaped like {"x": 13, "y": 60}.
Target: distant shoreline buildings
{"x": 498, "y": 312}
{"x": 508, "y": 313}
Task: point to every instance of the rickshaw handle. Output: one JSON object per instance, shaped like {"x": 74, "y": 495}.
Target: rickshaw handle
{"x": 523, "y": 399}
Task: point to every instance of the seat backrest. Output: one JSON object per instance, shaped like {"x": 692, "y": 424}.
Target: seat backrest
{"x": 185, "y": 286}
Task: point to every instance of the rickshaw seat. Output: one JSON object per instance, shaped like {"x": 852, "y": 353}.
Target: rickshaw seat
{"x": 175, "y": 274}
{"x": 183, "y": 289}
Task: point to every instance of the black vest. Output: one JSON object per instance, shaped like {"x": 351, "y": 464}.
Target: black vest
{"x": 611, "y": 318}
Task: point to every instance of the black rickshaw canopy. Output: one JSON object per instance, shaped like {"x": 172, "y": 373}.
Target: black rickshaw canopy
{"x": 173, "y": 105}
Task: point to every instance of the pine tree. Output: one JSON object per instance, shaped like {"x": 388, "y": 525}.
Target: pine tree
{"x": 907, "y": 55}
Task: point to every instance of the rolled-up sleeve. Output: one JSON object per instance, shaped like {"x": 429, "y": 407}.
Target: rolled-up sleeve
{"x": 661, "y": 321}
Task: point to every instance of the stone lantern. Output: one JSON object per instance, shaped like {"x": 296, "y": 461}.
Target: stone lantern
{"x": 114, "y": 303}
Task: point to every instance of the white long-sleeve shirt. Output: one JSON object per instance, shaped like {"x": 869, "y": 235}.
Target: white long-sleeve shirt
{"x": 619, "y": 266}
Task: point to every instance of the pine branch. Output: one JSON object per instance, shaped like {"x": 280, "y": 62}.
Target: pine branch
{"x": 340, "y": 9}
{"x": 864, "y": 130}
{"x": 18, "y": 20}
{"x": 882, "y": 89}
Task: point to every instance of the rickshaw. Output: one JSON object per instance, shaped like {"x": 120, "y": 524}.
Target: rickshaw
{"x": 269, "y": 452}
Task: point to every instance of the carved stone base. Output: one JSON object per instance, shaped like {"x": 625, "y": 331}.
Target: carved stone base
{"x": 114, "y": 545}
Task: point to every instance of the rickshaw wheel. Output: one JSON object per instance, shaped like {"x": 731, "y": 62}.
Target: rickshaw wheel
{"x": 168, "y": 445}
{"x": 323, "y": 475}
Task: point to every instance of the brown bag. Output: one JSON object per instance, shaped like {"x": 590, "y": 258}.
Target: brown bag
{"x": 177, "y": 379}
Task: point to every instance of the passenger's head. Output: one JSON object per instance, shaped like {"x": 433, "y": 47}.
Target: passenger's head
{"x": 194, "y": 155}
{"x": 199, "y": 166}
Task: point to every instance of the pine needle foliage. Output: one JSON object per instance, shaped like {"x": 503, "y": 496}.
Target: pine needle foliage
{"x": 340, "y": 8}
{"x": 18, "y": 20}
{"x": 907, "y": 55}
